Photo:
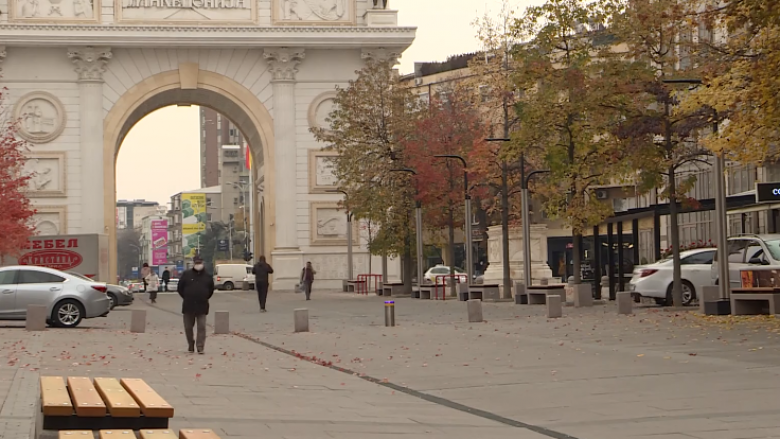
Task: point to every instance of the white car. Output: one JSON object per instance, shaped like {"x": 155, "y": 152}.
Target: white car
{"x": 655, "y": 280}
{"x": 432, "y": 274}
{"x": 746, "y": 251}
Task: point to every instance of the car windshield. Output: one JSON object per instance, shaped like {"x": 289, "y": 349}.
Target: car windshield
{"x": 774, "y": 248}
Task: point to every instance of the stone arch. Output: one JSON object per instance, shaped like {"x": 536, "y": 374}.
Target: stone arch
{"x": 194, "y": 87}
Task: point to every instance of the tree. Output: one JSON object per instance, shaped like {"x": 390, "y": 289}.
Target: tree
{"x": 450, "y": 127}
{"x": 657, "y": 46}
{"x": 128, "y": 252}
{"x": 17, "y": 212}
{"x": 562, "y": 123}
{"x": 372, "y": 118}
{"x": 492, "y": 77}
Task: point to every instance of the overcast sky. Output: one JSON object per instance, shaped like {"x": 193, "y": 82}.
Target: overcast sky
{"x": 167, "y": 142}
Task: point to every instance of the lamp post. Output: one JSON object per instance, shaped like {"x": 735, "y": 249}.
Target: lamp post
{"x": 418, "y": 223}
{"x": 349, "y": 232}
{"x": 721, "y": 207}
{"x": 466, "y": 214}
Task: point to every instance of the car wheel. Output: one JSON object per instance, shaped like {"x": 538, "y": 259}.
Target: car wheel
{"x": 67, "y": 314}
{"x": 111, "y": 301}
{"x": 688, "y": 293}
{"x": 229, "y": 286}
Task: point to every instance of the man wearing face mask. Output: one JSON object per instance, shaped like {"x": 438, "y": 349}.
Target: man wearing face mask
{"x": 196, "y": 287}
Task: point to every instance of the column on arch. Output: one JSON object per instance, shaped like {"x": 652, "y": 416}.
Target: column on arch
{"x": 90, "y": 64}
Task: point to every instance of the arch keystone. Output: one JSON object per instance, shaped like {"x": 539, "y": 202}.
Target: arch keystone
{"x": 188, "y": 75}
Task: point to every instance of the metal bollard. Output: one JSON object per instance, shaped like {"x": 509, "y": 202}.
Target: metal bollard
{"x": 389, "y": 312}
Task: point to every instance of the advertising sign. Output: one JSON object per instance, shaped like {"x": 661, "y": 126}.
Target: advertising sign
{"x": 193, "y": 223}
{"x": 223, "y": 245}
{"x": 83, "y": 254}
{"x": 768, "y": 192}
{"x": 159, "y": 241}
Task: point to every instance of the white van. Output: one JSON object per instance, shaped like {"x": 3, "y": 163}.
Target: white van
{"x": 230, "y": 276}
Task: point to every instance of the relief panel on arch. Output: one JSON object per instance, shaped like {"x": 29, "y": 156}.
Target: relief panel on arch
{"x": 186, "y": 11}
{"x": 324, "y": 12}
{"x": 57, "y": 11}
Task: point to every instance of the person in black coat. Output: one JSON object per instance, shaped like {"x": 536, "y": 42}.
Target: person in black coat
{"x": 261, "y": 270}
{"x": 166, "y": 277}
{"x": 196, "y": 287}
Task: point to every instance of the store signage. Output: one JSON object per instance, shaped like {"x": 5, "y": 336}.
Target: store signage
{"x": 768, "y": 192}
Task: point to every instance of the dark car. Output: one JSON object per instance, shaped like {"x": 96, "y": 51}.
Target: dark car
{"x": 117, "y": 294}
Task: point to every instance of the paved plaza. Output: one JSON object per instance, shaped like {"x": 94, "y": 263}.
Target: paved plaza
{"x": 589, "y": 375}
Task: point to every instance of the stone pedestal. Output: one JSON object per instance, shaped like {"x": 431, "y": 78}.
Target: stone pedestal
{"x": 625, "y": 303}
{"x": 301, "y": 316}
{"x": 554, "y": 306}
{"x": 221, "y": 322}
{"x": 36, "y": 318}
{"x": 474, "y": 309}
{"x": 138, "y": 321}
{"x": 539, "y": 268}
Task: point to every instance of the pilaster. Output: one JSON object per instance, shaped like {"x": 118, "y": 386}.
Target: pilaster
{"x": 90, "y": 64}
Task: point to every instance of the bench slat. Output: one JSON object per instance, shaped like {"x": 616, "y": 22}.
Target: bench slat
{"x": 197, "y": 433}
{"x": 120, "y": 403}
{"x": 86, "y": 399}
{"x": 76, "y": 434}
{"x": 152, "y": 404}
{"x": 114, "y": 434}
{"x": 55, "y": 400}
{"x": 158, "y": 434}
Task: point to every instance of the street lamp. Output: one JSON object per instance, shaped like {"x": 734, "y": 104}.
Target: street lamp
{"x": 418, "y": 222}
{"x": 467, "y": 215}
{"x": 721, "y": 207}
{"x": 349, "y": 232}
{"x": 244, "y": 188}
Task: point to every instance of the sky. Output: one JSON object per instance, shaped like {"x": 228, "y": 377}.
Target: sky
{"x": 167, "y": 141}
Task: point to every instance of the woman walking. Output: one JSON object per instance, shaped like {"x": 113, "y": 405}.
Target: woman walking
{"x": 153, "y": 285}
{"x": 307, "y": 278}
{"x": 146, "y": 270}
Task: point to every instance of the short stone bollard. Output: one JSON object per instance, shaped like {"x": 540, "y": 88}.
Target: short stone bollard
{"x": 583, "y": 295}
{"x": 474, "y": 309}
{"x": 301, "y": 316}
{"x": 36, "y": 318}
{"x": 554, "y": 306}
{"x": 708, "y": 294}
{"x": 520, "y": 297}
{"x": 625, "y": 303}
{"x": 463, "y": 292}
{"x": 221, "y": 322}
{"x": 138, "y": 321}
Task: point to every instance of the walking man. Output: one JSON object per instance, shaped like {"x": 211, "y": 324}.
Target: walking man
{"x": 166, "y": 277}
{"x": 261, "y": 270}
{"x": 307, "y": 278}
{"x": 196, "y": 287}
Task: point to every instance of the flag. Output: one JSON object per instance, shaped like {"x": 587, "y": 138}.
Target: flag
{"x": 247, "y": 157}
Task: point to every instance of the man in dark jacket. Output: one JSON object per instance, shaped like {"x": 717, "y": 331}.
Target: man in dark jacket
{"x": 166, "y": 277}
{"x": 196, "y": 287}
{"x": 261, "y": 270}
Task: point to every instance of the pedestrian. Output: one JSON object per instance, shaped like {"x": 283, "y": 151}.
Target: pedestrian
{"x": 152, "y": 285}
{"x": 261, "y": 270}
{"x": 307, "y": 278}
{"x": 145, "y": 271}
{"x": 166, "y": 277}
{"x": 196, "y": 287}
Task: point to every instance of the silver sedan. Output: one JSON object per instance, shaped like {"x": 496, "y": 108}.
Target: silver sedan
{"x": 68, "y": 298}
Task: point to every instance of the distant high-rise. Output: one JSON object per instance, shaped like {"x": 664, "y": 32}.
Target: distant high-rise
{"x": 216, "y": 130}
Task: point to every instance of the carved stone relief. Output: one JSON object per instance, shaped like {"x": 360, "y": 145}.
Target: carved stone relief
{"x": 320, "y": 109}
{"x": 47, "y": 174}
{"x": 314, "y": 11}
{"x": 50, "y": 220}
{"x": 187, "y": 11}
{"x": 57, "y": 10}
{"x": 41, "y": 115}
{"x": 329, "y": 225}
{"x": 322, "y": 177}
{"x": 3, "y": 54}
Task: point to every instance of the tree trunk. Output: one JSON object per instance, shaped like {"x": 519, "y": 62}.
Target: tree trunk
{"x": 675, "y": 240}
{"x": 505, "y": 228}
{"x": 576, "y": 257}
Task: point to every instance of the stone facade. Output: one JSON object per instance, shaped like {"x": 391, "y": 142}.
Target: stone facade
{"x": 81, "y": 73}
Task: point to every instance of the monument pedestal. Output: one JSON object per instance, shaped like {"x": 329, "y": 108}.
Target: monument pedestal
{"x": 539, "y": 268}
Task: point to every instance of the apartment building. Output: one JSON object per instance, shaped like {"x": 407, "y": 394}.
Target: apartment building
{"x": 130, "y": 213}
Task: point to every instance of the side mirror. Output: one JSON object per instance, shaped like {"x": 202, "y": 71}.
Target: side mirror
{"x": 758, "y": 261}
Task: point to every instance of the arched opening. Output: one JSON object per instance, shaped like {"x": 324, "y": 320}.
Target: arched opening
{"x": 213, "y": 91}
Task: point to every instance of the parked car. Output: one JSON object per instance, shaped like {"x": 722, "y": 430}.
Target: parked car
{"x": 655, "y": 280}
{"x": 228, "y": 276}
{"x": 745, "y": 251}
{"x": 173, "y": 284}
{"x": 117, "y": 294}
{"x": 68, "y": 299}
{"x": 441, "y": 270}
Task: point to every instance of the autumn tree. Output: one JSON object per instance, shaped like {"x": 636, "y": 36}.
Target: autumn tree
{"x": 451, "y": 126}
{"x": 562, "y": 123}
{"x": 373, "y": 117}
{"x": 653, "y": 47}
{"x": 17, "y": 212}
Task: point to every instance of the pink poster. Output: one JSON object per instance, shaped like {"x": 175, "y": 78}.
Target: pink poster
{"x": 159, "y": 242}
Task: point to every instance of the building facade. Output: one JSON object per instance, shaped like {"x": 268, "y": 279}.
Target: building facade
{"x": 216, "y": 130}
{"x": 130, "y": 213}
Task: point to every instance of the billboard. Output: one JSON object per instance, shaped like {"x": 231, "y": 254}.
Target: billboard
{"x": 193, "y": 223}
{"x": 159, "y": 241}
{"x": 83, "y": 254}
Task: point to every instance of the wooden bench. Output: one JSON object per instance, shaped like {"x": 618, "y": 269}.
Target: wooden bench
{"x": 537, "y": 294}
{"x": 78, "y": 403}
{"x": 753, "y": 301}
{"x": 158, "y": 434}
{"x": 197, "y": 433}
{"x": 188, "y": 433}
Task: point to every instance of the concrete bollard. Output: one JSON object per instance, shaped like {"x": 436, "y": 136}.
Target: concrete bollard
{"x": 36, "y": 318}
{"x": 301, "y": 316}
{"x": 389, "y": 312}
{"x": 583, "y": 295}
{"x": 554, "y": 306}
{"x": 138, "y": 321}
{"x": 463, "y": 292}
{"x": 474, "y": 309}
{"x": 520, "y": 297}
{"x": 708, "y": 294}
{"x": 605, "y": 287}
{"x": 221, "y": 322}
{"x": 625, "y": 303}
